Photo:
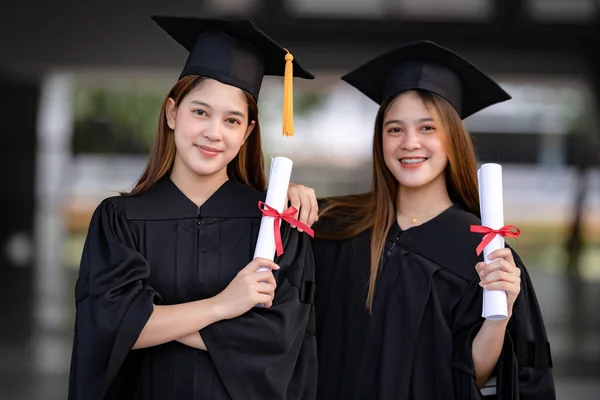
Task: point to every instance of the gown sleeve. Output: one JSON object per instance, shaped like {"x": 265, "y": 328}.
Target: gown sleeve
{"x": 524, "y": 369}
{"x": 113, "y": 303}
{"x": 271, "y": 353}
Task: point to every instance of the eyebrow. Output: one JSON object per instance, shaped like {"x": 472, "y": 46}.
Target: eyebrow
{"x": 231, "y": 112}
{"x": 399, "y": 121}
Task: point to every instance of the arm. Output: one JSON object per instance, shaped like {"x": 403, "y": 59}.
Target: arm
{"x": 194, "y": 340}
{"x": 501, "y": 274}
{"x": 487, "y": 347}
{"x": 523, "y": 367}
{"x": 168, "y": 323}
{"x": 183, "y": 321}
{"x": 116, "y": 310}
{"x": 272, "y": 352}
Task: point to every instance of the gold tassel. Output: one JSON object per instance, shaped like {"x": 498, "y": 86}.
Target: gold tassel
{"x": 288, "y": 96}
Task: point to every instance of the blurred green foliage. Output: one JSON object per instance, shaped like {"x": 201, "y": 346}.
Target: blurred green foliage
{"x": 115, "y": 118}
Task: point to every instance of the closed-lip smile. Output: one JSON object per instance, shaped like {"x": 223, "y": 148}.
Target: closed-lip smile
{"x": 208, "y": 151}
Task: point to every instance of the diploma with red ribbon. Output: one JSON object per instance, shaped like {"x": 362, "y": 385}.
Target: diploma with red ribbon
{"x": 269, "y": 235}
{"x": 490, "y": 234}
{"x": 491, "y": 203}
{"x": 288, "y": 216}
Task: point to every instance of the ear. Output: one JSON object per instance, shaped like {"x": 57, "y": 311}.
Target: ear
{"x": 171, "y": 113}
{"x": 251, "y": 126}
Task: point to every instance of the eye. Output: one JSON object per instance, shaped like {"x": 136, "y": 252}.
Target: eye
{"x": 428, "y": 128}
{"x": 233, "y": 121}
{"x": 395, "y": 130}
{"x": 199, "y": 112}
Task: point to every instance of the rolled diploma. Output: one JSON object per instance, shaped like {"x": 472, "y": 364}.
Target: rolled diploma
{"x": 492, "y": 215}
{"x": 279, "y": 180}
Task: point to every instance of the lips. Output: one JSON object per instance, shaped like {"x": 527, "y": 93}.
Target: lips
{"x": 211, "y": 149}
{"x": 208, "y": 151}
{"x": 412, "y": 160}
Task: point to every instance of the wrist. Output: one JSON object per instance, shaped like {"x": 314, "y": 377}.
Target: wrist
{"x": 215, "y": 310}
{"x": 497, "y": 325}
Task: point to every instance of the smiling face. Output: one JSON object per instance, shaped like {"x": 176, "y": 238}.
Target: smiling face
{"x": 210, "y": 125}
{"x": 412, "y": 143}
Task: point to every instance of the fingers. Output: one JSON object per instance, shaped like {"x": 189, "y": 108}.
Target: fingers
{"x": 508, "y": 287}
{"x": 265, "y": 300}
{"x": 305, "y": 212}
{"x": 294, "y": 200}
{"x": 266, "y": 288}
{"x": 304, "y": 200}
{"x": 265, "y": 293}
{"x": 501, "y": 264}
{"x": 264, "y": 277}
{"x": 502, "y": 253}
{"x": 499, "y": 276}
{"x": 314, "y": 208}
{"x": 259, "y": 262}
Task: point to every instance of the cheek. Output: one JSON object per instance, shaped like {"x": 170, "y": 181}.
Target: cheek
{"x": 436, "y": 146}
{"x": 441, "y": 152}
{"x": 441, "y": 156}
{"x": 178, "y": 137}
{"x": 234, "y": 137}
{"x": 389, "y": 146}
{"x": 182, "y": 129}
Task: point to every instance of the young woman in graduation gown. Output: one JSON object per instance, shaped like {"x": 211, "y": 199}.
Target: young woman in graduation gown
{"x": 399, "y": 283}
{"x": 167, "y": 286}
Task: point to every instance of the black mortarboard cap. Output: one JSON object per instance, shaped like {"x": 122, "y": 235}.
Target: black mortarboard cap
{"x": 427, "y": 66}
{"x": 234, "y": 52}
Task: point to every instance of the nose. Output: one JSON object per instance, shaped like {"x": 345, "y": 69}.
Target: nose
{"x": 213, "y": 130}
{"x": 411, "y": 141}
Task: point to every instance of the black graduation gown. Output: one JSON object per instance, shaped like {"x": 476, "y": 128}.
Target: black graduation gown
{"x": 160, "y": 248}
{"x": 427, "y": 310}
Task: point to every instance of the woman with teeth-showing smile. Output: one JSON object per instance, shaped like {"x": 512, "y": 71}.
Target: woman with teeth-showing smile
{"x": 167, "y": 290}
{"x": 414, "y": 152}
{"x": 399, "y": 283}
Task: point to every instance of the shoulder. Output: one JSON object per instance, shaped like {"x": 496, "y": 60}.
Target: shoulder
{"x": 234, "y": 200}
{"x": 113, "y": 205}
{"x": 448, "y": 241}
{"x": 124, "y": 206}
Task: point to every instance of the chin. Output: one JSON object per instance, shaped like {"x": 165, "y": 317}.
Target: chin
{"x": 413, "y": 185}
{"x": 203, "y": 171}
{"x": 418, "y": 182}
{"x": 204, "y": 168}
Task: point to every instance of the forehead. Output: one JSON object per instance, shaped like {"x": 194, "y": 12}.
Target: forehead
{"x": 408, "y": 105}
{"x": 217, "y": 94}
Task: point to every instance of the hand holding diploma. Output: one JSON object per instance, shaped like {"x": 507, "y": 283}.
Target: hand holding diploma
{"x": 269, "y": 240}
{"x": 498, "y": 272}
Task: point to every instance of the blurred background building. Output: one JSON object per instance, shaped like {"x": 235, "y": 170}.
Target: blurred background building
{"x": 80, "y": 89}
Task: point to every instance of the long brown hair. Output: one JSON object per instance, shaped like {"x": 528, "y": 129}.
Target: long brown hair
{"x": 376, "y": 209}
{"x": 246, "y": 168}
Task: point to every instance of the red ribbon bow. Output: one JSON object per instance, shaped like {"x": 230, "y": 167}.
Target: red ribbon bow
{"x": 490, "y": 234}
{"x": 287, "y": 216}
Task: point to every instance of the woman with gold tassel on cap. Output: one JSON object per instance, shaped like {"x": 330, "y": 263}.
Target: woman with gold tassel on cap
{"x": 399, "y": 282}
{"x": 166, "y": 293}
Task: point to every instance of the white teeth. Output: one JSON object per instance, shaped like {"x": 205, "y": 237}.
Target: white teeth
{"x": 412, "y": 160}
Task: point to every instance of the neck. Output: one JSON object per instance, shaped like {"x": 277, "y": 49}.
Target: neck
{"x": 198, "y": 188}
{"x": 423, "y": 202}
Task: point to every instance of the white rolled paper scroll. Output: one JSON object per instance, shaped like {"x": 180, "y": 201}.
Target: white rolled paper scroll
{"x": 279, "y": 180}
{"x": 491, "y": 202}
